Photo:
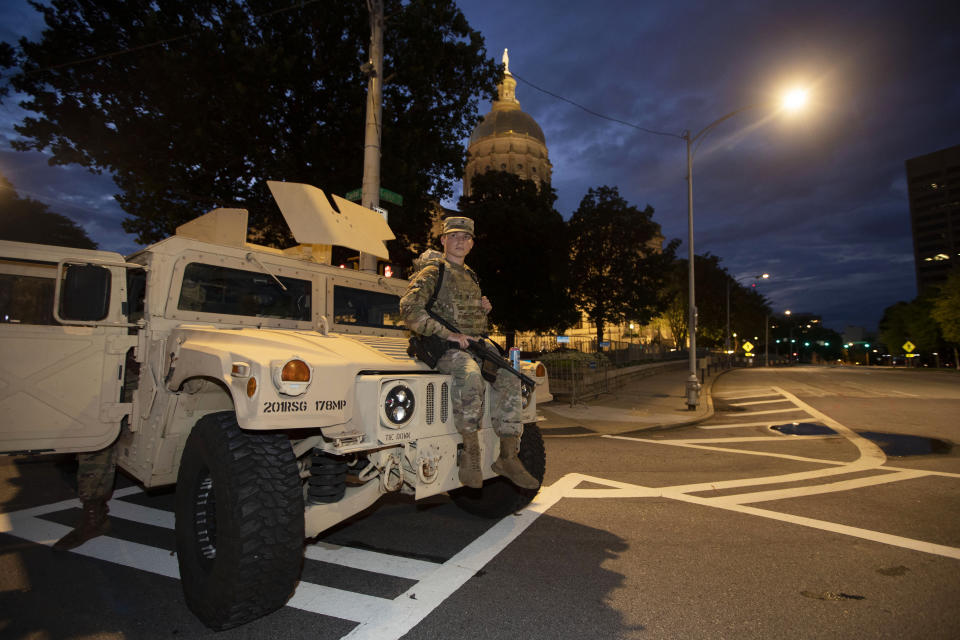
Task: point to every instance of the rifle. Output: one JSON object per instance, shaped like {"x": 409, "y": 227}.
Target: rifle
{"x": 429, "y": 349}
{"x": 489, "y": 361}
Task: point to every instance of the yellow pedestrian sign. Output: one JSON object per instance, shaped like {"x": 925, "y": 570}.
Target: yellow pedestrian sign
{"x": 747, "y": 347}
{"x": 909, "y": 346}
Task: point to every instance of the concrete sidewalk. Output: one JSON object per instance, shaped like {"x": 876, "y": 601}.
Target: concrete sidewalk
{"x": 651, "y": 402}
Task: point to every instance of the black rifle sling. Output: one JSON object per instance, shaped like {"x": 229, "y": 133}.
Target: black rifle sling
{"x": 489, "y": 362}
{"x": 436, "y": 289}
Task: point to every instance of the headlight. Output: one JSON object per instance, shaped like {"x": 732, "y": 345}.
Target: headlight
{"x": 398, "y": 405}
{"x": 526, "y": 393}
{"x": 292, "y": 377}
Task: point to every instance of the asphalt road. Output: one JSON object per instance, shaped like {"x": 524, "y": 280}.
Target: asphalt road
{"x": 727, "y": 529}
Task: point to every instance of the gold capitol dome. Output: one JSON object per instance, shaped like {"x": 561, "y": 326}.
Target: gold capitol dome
{"x": 507, "y": 139}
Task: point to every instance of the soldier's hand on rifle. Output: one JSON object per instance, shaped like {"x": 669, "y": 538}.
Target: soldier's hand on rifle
{"x": 485, "y": 304}
{"x": 461, "y": 339}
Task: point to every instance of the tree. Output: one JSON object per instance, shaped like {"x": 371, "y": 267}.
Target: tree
{"x": 7, "y": 56}
{"x": 676, "y": 313}
{"x": 617, "y": 270}
{"x": 193, "y": 105}
{"x": 946, "y": 312}
{"x": 911, "y": 321}
{"x": 27, "y": 220}
{"x": 520, "y": 253}
{"x": 748, "y": 308}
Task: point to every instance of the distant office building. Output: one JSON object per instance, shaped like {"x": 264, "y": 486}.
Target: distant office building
{"x": 933, "y": 185}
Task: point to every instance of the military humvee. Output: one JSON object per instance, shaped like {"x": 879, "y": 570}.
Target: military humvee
{"x": 274, "y": 389}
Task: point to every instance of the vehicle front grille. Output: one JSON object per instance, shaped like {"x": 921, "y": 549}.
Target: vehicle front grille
{"x": 386, "y": 345}
{"x": 430, "y": 416}
{"x": 444, "y": 403}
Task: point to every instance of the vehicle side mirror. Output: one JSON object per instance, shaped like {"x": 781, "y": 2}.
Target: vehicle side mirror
{"x": 85, "y": 293}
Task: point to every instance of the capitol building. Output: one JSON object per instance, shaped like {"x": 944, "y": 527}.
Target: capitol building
{"x": 509, "y": 139}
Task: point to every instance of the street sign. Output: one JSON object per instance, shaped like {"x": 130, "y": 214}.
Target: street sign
{"x": 747, "y": 347}
{"x": 391, "y": 197}
{"x": 909, "y": 346}
{"x": 385, "y": 195}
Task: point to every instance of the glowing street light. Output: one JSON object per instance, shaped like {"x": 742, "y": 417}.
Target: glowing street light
{"x": 795, "y": 99}
{"x": 793, "y": 102}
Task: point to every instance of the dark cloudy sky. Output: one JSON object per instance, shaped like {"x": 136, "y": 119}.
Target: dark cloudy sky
{"x": 817, "y": 200}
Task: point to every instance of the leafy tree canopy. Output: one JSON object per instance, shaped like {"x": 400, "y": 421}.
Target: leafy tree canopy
{"x": 946, "y": 309}
{"x": 27, "y": 220}
{"x": 192, "y": 104}
{"x": 617, "y": 270}
{"x": 748, "y": 307}
{"x": 911, "y": 321}
{"x": 520, "y": 253}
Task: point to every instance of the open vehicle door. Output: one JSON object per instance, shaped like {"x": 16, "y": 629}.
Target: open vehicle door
{"x": 65, "y": 330}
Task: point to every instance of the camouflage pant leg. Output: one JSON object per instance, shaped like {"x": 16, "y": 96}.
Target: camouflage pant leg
{"x": 467, "y": 390}
{"x": 96, "y": 474}
{"x": 506, "y": 409}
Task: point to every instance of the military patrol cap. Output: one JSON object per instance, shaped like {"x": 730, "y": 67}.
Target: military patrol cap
{"x": 457, "y": 223}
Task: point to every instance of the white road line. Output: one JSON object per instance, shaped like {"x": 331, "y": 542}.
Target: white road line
{"x": 760, "y": 413}
{"x": 796, "y": 492}
{"x": 624, "y": 490}
{"x": 834, "y": 527}
{"x": 338, "y": 603}
{"x": 747, "y": 404}
{"x": 407, "y": 610}
{"x": 737, "y": 451}
{"x": 737, "y": 425}
{"x": 777, "y": 438}
{"x": 122, "y": 552}
{"x": 743, "y": 395}
{"x": 145, "y": 515}
{"x": 384, "y": 563}
{"x": 870, "y": 454}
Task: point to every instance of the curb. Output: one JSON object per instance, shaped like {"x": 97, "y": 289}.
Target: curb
{"x": 707, "y": 399}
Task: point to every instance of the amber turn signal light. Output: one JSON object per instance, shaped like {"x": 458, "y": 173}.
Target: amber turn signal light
{"x": 295, "y": 371}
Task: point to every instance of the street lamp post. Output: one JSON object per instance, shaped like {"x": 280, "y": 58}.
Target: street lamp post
{"x": 693, "y": 381}
{"x": 793, "y": 100}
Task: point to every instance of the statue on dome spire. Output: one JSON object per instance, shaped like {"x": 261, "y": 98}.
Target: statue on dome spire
{"x": 506, "y": 61}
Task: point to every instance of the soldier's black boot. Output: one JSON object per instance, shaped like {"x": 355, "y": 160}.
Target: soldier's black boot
{"x": 94, "y": 522}
{"x": 509, "y": 466}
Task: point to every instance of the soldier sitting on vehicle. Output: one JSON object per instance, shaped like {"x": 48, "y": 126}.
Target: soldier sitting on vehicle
{"x": 459, "y": 302}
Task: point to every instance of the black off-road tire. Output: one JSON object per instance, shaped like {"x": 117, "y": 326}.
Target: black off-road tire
{"x": 239, "y": 522}
{"x": 499, "y": 497}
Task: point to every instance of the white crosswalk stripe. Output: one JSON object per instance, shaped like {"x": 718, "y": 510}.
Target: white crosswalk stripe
{"x": 30, "y": 524}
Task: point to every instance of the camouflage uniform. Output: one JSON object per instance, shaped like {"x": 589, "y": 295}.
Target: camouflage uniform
{"x": 458, "y": 302}
{"x": 96, "y": 473}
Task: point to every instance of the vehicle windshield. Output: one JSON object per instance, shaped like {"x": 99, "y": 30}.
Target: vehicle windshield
{"x": 213, "y": 289}
{"x": 363, "y": 308}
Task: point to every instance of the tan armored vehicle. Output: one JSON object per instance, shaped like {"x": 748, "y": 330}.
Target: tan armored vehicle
{"x": 274, "y": 389}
